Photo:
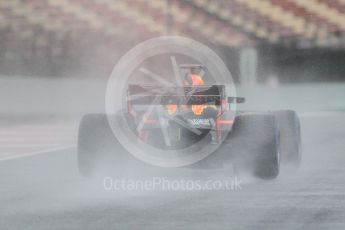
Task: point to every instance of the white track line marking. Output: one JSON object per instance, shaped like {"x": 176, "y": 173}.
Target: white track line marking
{"x": 22, "y": 155}
{"x": 28, "y": 145}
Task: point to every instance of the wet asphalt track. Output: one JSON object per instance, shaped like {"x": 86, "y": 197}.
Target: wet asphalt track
{"x": 46, "y": 192}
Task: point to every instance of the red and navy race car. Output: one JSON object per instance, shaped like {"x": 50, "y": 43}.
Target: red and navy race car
{"x": 190, "y": 126}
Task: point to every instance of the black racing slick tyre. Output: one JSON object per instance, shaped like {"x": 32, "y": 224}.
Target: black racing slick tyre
{"x": 254, "y": 145}
{"x": 96, "y": 144}
{"x": 93, "y": 130}
{"x": 290, "y": 137}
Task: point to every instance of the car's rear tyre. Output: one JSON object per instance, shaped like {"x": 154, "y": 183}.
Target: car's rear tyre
{"x": 254, "y": 145}
{"x": 290, "y": 137}
{"x": 96, "y": 145}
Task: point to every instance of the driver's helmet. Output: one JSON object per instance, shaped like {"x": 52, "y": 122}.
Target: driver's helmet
{"x": 193, "y": 77}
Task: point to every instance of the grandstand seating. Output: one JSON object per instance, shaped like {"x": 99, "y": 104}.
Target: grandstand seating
{"x": 48, "y": 24}
{"x": 229, "y": 22}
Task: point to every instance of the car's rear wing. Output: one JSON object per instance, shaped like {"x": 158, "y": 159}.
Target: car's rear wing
{"x": 186, "y": 95}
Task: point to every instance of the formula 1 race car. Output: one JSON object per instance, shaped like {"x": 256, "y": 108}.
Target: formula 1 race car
{"x": 169, "y": 120}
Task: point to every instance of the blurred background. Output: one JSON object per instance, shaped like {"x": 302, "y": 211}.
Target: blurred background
{"x": 56, "y": 55}
{"x": 289, "y": 41}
